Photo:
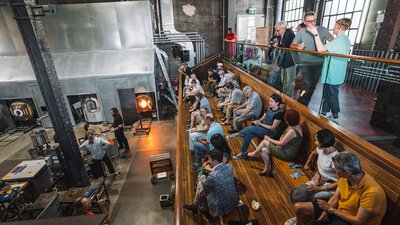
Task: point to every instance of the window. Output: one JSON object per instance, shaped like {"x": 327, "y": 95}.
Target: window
{"x": 337, "y": 9}
{"x": 293, "y": 12}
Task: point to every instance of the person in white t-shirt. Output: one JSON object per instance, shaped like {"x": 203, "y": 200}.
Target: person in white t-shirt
{"x": 324, "y": 182}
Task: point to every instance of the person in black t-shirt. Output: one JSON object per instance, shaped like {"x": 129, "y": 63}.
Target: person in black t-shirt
{"x": 118, "y": 129}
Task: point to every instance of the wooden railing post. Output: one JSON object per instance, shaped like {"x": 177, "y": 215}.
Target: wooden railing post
{"x": 178, "y": 206}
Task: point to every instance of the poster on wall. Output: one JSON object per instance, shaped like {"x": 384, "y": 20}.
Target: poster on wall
{"x": 262, "y": 35}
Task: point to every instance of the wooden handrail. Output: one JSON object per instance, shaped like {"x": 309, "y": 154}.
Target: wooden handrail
{"x": 209, "y": 58}
{"x": 178, "y": 203}
{"x": 393, "y": 61}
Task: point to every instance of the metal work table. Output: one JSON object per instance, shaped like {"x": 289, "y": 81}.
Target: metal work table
{"x": 70, "y": 220}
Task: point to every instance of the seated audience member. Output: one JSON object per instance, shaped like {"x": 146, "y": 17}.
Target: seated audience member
{"x": 82, "y": 207}
{"x": 218, "y": 188}
{"x": 213, "y": 80}
{"x": 187, "y": 86}
{"x": 249, "y": 110}
{"x": 201, "y": 101}
{"x": 222, "y": 81}
{"x": 193, "y": 77}
{"x": 235, "y": 78}
{"x": 286, "y": 148}
{"x": 220, "y": 144}
{"x": 234, "y": 99}
{"x": 96, "y": 146}
{"x": 358, "y": 199}
{"x": 268, "y": 125}
{"x": 204, "y": 145}
{"x": 324, "y": 182}
{"x": 223, "y": 92}
{"x": 200, "y": 131}
{"x": 220, "y": 66}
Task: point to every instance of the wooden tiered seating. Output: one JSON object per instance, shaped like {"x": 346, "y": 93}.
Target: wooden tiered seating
{"x": 384, "y": 167}
{"x": 273, "y": 193}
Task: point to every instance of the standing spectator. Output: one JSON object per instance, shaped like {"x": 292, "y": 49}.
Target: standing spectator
{"x": 285, "y": 61}
{"x": 118, "y": 129}
{"x": 97, "y": 147}
{"x": 249, "y": 110}
{"x": 359, "y": 199}
{"x": 271, "y": 51}
{"x": 230, "y": 38}
{"x": 334, "y": 69}
{"x": 311, "y": 70}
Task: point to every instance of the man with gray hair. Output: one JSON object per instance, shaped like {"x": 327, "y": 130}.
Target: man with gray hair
{"x": 249, "y": 110}
{"x": 285, "y": 61}
{"x": 358, "y": 199}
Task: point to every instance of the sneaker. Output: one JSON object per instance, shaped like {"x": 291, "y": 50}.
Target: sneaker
{"x": 291, "y": 221}
{"x": 326, "y": 115}
{"x": 335, "y": 120}
{"x": 192, "y": 208}
{"x": 232, "y": 131}
{"x": 240, "y": 155}
{"x": 232, "y": 136}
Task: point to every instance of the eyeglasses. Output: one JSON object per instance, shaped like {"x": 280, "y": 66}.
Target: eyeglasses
{"x": 310, "y": 21}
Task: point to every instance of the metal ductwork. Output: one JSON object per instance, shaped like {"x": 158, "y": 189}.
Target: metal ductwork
{"x": 190, "y": 41}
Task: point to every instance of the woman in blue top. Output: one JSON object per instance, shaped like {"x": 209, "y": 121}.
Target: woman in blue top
{"x": 334, "y": 69}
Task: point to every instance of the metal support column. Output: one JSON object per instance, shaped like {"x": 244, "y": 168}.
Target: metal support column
{"x": 43, "y": 66}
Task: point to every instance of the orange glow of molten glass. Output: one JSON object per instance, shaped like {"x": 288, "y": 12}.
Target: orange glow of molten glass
{"x": 143, "y": 103}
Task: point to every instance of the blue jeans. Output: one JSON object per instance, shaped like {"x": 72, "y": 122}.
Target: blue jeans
{"x": 199, "y": 148}
{"x": 330, "y": 99}
{"x": 249, "y": 132}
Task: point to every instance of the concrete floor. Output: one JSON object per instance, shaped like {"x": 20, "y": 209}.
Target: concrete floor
{"x": 134, "y": 200}
{"x": 138, "y": 201}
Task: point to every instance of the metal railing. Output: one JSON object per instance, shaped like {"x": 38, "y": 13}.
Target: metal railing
{"x": 366, "y": 75}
